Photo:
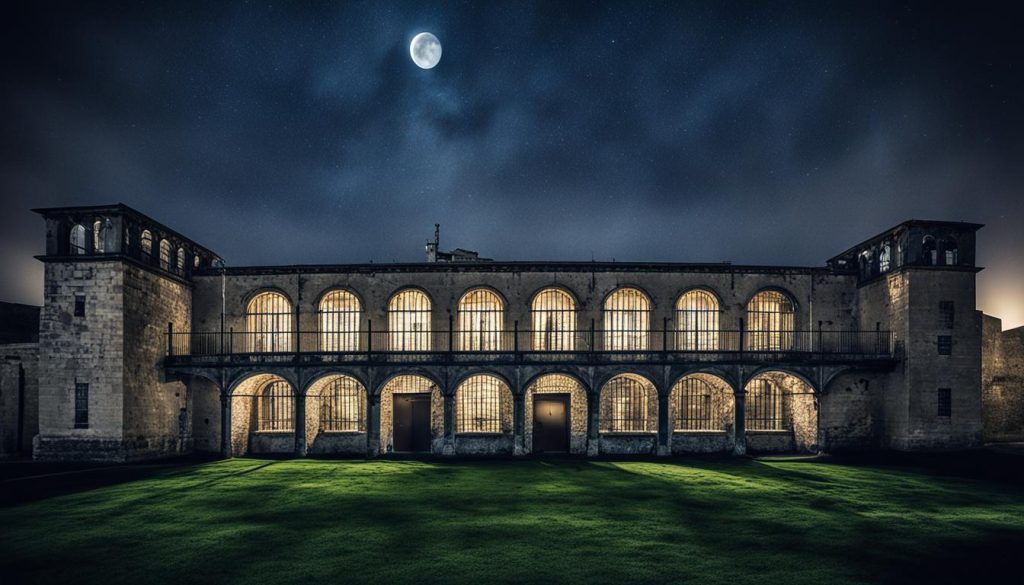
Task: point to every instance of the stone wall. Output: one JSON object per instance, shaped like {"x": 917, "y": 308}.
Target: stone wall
{"x": 1002, "y": 382}
{"x": 19, "y": 398}
{"x": 851, "y": 412}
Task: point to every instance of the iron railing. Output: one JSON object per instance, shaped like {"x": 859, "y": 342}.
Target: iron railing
{"x": 521, "y": 342}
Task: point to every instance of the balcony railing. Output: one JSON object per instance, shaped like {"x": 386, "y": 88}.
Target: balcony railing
{"x": 536, "y": 345}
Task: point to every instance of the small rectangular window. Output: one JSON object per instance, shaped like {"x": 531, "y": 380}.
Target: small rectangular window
{"x": 81, "y": 405}
{"x": 79, "y": 305}
{"x": 946, "y": 314}
{"x": 945, "y": 402}
{"x": 945, "y": 345}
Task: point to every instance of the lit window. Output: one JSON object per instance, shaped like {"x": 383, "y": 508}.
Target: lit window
{"x": 99, "y": 234}
{"x": 339, "y": 321}
{"x": 481, "y": 319}
{"x": 268, "y": 320}
{"x": 697, "y": 321}
{"x": 181, "y": 260}
{"x": 165, "y": 254}
{"x": 764, "y": 406}
{"x": 626, "y": 405}
{"x": 478, "y": 405}
{"x": 885, "y": 259}
{"x": 929, "y": 251}
{"x": 342, "y": 406}
{"x": 950, "y": 252}
{"x": 276, "y": 408}
{"x": 770, "y": 317}
{"x": 78, "y": 240}
{"x": 554, "y": 320}
{"x": 627, "y": 315}
{"x": 409, "y": 321}
{"x": 146, "y": 241}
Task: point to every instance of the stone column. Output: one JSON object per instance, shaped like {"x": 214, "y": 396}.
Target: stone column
{"x": 664, "y": 432}
{"x": 300, "y": 425}
{"x": 518, "y": 424}
{"x": 593, "y": 424}
{"x": 740, "y": 426}
{"x": 449, "y": 425}
{"x": 225, "y": 424}
{"x": 372, "y": 425}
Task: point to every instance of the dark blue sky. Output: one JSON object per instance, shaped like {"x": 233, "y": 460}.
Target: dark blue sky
{"x": 763, "y": 132}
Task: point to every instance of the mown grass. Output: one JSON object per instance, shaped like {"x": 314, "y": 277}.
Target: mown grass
{"x": 708, "y": 521}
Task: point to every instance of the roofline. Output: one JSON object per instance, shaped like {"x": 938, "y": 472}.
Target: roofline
{"x": 120, "y": 207}
{"x": 908, "y": 223}
{"x": 522, "y": 266}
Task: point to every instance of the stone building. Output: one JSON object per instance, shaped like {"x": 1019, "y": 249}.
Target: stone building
{"x": 1002, "y": 382}
{"x": 150, "y": 346}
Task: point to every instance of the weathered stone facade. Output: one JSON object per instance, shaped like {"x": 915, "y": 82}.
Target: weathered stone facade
{"x": 1002, "y": 382}
{"x": 865, "y": 353}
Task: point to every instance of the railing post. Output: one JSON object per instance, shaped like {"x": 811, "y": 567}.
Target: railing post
{"x": 878, "y": 337}
{"x": 664, "y": 336}
{"x": 170, "y": 339}
{"x": 593, "y": 345}
{"x": 231, "y": 340}
{"x": 821, "y": 345}
{"x": 298, "y": 330}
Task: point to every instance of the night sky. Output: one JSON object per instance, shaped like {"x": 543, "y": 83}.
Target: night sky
{"x": 762, "y": 133}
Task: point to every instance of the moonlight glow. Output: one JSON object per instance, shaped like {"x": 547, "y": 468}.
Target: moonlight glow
{"x": 425, "y": 50}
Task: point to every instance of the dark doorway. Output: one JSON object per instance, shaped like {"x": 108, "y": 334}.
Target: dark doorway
{"x": 412, "y": 423}
{"x": 551, "y": 423}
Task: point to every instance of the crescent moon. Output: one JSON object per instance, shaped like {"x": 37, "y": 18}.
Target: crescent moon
{"x": 425, "y": 50}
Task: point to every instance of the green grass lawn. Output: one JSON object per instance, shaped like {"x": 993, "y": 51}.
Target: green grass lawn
{"x": 710, "y": 521}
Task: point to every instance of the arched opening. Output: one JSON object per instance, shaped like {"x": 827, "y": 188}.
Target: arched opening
{"x": 702, "y": 414}
{"x": 263, "y": 416}
{"x": 336, "y": 416}
{"x": 553, "y": 316}
{"x": 781, "y": 414}
{"x": 556, "y": 415}
{"x": 483, "y": 404}
{"x": 697, "y": 321}
{"x": 99, "y": 236}
{"x": 165, "y": 254}
{"x": 77, "y": 239}
{"x": 180, "y": 260}
{"x": 339, "y": 314}
{"x": 629, "y": 404}
{"x": 146, "y": 243}
{"x": 409, "y": 321}
{"x": 411, "y": 415}
{"x": 929, "y": 251}
{"x": 481, "y": 321}
{"x": 770, "y": 318}
{"x": 268, "y": 322}
{"x": 627, "y": 320}
{"x": 885, "y": 258}
{"x": 950, "y": 252}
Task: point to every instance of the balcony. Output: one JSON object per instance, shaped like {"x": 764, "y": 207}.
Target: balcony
{"x": 592, "y": 346}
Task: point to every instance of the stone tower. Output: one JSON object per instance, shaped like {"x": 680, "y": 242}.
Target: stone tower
{"x": 115, "y": 282}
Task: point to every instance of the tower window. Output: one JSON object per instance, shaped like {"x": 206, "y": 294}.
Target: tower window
{"x": 81, "y": 405}
{"x": 79, "y": 305}
{"x": 945, "y": 344}
{"x": 945, "y": 402}
{"x": 946, "y": 314}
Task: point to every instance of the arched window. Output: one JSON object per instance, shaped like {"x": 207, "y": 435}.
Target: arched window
{"x": 99, "y": 235}
{"x": 409, "y": 321}
{"x": 78, "y": 240}
{"x": 146, "y": 242}
{"x": 764, "y": 406}
{"x": 950, "y": 253}
{"x": 553, "y": 313}
{"x": 929, "y": 252}
{"x": 627, "y": 320}
{"x": 339, "y": 321}
{"x": 165, "y": 254}
{"x": 481, "y": 320}
{"x": 478, "y": 405}
{"x": 268, "y": 321}
{"x": 195, "y": 261}
{"x": 770, "y": 317}
{"x": 276, "y": 408}
{"x": 885, "y": 258}
{"x": 342, "y": 405}
{"x": 629, "y": 404}
{"x": 181, "y": 260}
{"x": 697, "y": 321}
